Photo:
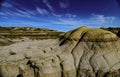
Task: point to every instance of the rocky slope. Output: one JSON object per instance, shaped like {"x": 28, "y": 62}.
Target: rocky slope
{"x": 82, "y": 52}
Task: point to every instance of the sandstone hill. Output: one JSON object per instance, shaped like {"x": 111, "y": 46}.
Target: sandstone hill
{"x": 115, "y": 30}
{"x": 83, "y": 52}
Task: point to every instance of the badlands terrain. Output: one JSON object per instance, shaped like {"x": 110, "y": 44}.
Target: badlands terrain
{"x": 82, "y": 52}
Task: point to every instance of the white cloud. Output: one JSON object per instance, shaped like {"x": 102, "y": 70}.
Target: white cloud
{"x": 102, "y": 18}
{"x": 1, "y": 13}
{"x": 18, "y": 14}
{"x": 72, "y": 22}
{"x": 22, "y": 13}
{"x": 9, "y": 13}
{"x": 94, "y": 20}
{"x": 68, "y": 15}
{"x": 31, "y": 12}
{"x": 64, "y": 4}
{"x": 48, "y": 4}
{"x": 42, "y": 11}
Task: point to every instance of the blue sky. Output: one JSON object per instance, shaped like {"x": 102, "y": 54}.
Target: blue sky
{"x": 62, "y": 15}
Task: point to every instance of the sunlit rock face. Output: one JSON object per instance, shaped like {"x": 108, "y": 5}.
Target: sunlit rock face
{"x": 82, "y": 52}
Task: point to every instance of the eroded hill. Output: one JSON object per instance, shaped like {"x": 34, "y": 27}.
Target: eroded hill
{"x": 114, "y": 30}
{"x": 29, "y": 32}
{"x": 10, "y": 35}
{"x": 83, "y": 52}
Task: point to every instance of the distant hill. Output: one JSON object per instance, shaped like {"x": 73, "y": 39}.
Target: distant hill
{"x": 30, "y": 32}
{"x": 10, "y": 35}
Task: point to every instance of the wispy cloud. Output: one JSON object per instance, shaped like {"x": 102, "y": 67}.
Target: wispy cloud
{"x": 18, "y": 14}
{"x": 64, "y": 4}
{"x": 71, "y": 15}
{"x": 6, "y": 4}
{"x": 72, "y": 22}
{"x": 23, "y": 13}
{"x": 42, "y": 11}
{"x": 48, "y": 5}
{"x": 94, "y": 21}
{"x": 5, "y": 17}
{"x": 103, "y": 19}
{"x": 67, "y": 15}
{"x": 1, "y": 13}
{"x": 57, "y": 15}
{"x": 63, "y": 22}
{"x": 31, "y": 12}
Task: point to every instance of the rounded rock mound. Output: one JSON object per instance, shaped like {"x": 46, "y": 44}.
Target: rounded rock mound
{"x": 99, "y": 35}
{"x": 86, "y": 34}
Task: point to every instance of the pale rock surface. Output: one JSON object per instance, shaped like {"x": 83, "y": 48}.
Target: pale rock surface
{"x": 82, "y": 52}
